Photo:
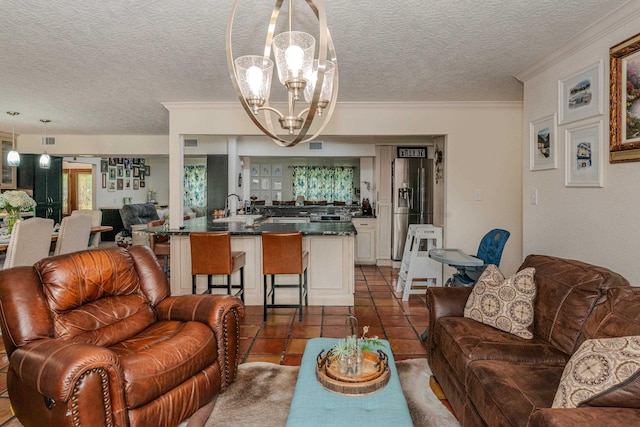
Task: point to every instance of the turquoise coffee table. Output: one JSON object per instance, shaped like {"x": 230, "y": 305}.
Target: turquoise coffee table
{"x": 312, "y": 405}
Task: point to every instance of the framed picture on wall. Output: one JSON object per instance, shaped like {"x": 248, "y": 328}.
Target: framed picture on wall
{"x": 543, "y": 143}
{"x": 136, "y": 183}
{"x": 112, "y": 186}
{"x": 624, "y": 118}
{"x": 580, "y": 94}
{"x": 265, "y": 170}
{"x": 276, "y": 184}
{"x": 266, "y": 184}
{"x": 142, "y": 184}
{"x": 584, "y": 155}
{"x": 147, "y": 170}
{"x": 266, "y": 196}
{"x": 276, "y": 170}
{"x": 104, "y": 165}
{"x": 104, "y": 180}
{"x": 112, "y": 172}
{"x": 255, "y": 170}
{"x": 127, "y": 173}
{"x": 255, "y": 184}
{"x": 120, "y": 171}
{"x": 119, "y": 184}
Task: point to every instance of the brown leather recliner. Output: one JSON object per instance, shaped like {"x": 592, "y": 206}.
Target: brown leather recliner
{"x": 95, "y": 339}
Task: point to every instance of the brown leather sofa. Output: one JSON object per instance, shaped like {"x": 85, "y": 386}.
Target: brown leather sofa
{"x": 492, "y": 378}
{"x": 95, "y": 339}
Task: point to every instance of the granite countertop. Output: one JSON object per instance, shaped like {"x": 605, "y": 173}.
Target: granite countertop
{"x": 240, "y": 229}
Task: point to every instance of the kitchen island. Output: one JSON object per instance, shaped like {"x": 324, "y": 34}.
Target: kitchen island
{"x": 331, "y": 259}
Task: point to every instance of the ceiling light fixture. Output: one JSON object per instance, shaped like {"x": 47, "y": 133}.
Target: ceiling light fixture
{"x": 45, "y": 159}
{"x": 13, "y": 157}
{"x": 301, "y": 74}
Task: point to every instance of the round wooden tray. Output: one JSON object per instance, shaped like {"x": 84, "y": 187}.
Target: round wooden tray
{"x": 373, "y": 377}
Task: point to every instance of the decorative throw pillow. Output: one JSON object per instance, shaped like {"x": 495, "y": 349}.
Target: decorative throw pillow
{"x": 505, "y": 304}
{"x": 602, "y": 372}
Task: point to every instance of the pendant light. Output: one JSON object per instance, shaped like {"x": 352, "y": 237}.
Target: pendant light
{"x": 45, "y": 159}
{"x": 13, "y": 158}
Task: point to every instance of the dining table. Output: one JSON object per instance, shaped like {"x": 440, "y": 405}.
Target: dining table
{"x": 4, "y": 240}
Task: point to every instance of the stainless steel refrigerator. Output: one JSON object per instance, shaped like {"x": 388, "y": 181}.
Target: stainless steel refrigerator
{"x": 412, "y": 189}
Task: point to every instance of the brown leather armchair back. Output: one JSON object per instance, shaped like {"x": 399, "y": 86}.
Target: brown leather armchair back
{"x": 94, "y": 338}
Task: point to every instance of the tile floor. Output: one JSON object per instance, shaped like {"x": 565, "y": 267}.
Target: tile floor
{"x": 282, "y": 338}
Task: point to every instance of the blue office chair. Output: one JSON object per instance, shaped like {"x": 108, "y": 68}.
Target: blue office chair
{"x": 489, "y": 251}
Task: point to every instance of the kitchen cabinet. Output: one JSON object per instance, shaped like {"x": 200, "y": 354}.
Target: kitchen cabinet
{"x": 46, "y": 184}
{"x": 7, "y": 173}
{"x": 383, "y": 162}
{"x": 365, "y": 245}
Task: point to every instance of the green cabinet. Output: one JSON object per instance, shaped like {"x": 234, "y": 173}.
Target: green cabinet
{"x": 46, "y": 184}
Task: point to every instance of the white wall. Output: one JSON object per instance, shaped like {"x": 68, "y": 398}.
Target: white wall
{"x": 596, "y": 225}
{"x": 482, "y": 157}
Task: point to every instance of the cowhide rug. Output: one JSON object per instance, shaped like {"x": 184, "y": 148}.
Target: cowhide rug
{"x": 262, "y": 393}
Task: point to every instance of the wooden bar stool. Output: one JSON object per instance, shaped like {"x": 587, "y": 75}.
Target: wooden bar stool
{"x": 160, "y": 245}
{"x": 282, "y": 254}
{"x": 211, "y": 255}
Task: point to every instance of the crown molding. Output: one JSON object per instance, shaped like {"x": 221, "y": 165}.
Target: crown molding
{"x": 598, "y": 30}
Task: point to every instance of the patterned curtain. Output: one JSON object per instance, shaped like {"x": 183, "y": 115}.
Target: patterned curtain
{"x": 195, "y": 185}
{"x": 330, "y": 183}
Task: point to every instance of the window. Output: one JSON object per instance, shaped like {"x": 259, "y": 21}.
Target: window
{"x": 195, "y": 185}
{"x": 330, "y": 183}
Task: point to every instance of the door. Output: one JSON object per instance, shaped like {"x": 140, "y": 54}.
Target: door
{"x": 77, "y": 189}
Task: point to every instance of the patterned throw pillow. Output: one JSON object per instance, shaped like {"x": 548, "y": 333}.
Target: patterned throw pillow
{"x": 506, "y": 304}
{"x": 602, "y": 372}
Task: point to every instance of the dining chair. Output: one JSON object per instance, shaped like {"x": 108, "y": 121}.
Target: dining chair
{"x": 160, "y": 244}
{"x": 96, "y": 221}
{"x": 73, "y": 235}
{"x": 29, "y": 243}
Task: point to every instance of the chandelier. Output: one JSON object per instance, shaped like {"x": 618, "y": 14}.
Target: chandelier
{"x": 13, "y": 157}
{"x": 45, "y": 159}
{"x": 300, "y": 73}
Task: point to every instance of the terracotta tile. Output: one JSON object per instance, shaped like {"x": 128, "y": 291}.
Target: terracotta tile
{"x": 419, "y": 321}
{"x": 334, "y": 320}
{"x": 405, "y": 347}
{"x": 274, "y": 331}
{"x": 267, "y": 346}
{"x": 394, "y": 321}
{"x": 292, "y": 359}
{"x": 364, "y": 311}
{"x": 253, "y": 310}
{"x": 305, "y": 331}
{"x": 363, "y": 301}
{"x": 252, "y": 319}
{"x": 391, "y": 311}
{"x": 249, "y": 331}
{"x": 309, "y": 319}
{"x": 312, "y": 310}
{"x": 337, "y": 310}
{"x": 386, "y": 302}
{"x": 278, "y": 319}
{"x": 263, "y": 358}
{"x": 333, "y": 331}
{"x": 400, "y": 332}
{"x": 244, "y": 344}
{"x": 296, "y": 346}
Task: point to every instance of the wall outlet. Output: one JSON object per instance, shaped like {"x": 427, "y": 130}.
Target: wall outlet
{"x": 477, "y": 195}
{"x": 533, "y": 196}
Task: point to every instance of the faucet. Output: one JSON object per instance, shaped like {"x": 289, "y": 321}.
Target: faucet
{"x": 226, "y": 204}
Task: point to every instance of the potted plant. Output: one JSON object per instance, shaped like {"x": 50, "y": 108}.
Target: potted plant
{"x": 348, "y": 352}
{"x": 14, "y": 202}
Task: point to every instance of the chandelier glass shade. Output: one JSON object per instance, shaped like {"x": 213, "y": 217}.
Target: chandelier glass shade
{"x": 310, "y": 82}
{"x": 13, "y": 157}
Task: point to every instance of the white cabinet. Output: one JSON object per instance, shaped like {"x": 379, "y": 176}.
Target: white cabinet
{"x": 365, "y": 245}
{"x": 7, "y": 173}
{"x": 383, "y": 161}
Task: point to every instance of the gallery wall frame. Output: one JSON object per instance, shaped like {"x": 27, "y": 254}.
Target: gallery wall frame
{"x": 543, "y": 143}
{"x": 624, "y": 101}
{"x": 580, "y": 95}
{"x": 584, "y": 155}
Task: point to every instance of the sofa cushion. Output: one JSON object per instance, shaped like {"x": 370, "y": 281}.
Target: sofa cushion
{"x": 603, "y": 372}
{"x": 618, "y": 316}
{"x": 507, "y": 393}
{"x": 567, "y": 293}
{"x": 506, "y": 304}
{"x": 163, "y": 356}
{"x": 464, "y": 340}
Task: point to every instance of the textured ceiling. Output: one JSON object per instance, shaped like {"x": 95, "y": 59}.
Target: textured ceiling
{"x": 104, "y": 67}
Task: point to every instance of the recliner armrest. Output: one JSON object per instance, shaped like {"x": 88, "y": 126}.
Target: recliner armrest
{"x": 222, "y": 313}
{"x": 445, "y": 302}
{"x": 53, "y": 366}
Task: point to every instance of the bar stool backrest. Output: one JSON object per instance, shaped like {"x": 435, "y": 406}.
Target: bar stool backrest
{"x": 282, "y": 253}
{"x": 211, "y": 253}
